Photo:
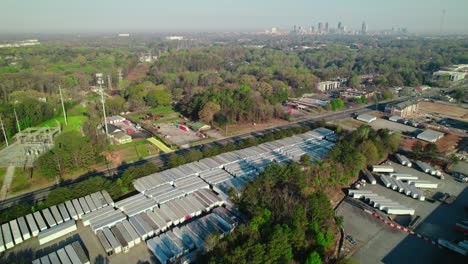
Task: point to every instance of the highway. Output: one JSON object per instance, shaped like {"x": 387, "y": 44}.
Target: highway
{"x": 161, "y": 159}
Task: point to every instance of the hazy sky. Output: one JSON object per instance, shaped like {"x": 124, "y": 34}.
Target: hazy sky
{"x": 71, "y": 16}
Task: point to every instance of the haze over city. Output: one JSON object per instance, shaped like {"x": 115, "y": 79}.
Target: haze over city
{"x": 52, "y": 16}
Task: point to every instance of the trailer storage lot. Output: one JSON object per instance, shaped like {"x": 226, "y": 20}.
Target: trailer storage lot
{"x": 189, "y": 197}
{"x": 378, "y": 243}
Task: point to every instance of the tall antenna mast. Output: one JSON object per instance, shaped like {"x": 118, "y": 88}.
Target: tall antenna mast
{"x": 4, "y": 133}
{"x": 103, "y": 109}
{"x": 17, "y": 121}
{"x": 442, "y": 19}
{"x": 63, "y": 107}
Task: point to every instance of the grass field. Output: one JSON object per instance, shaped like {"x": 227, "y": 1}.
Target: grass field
{"x": 74, "y": 122}
{"x": 135, "y": 150}
{"x": 160, "y": 145}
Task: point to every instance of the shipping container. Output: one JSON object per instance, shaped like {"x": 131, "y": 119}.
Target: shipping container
{"x": 64, "y": 212}
{"x": 54, "y": 258}
{"x": 80, "y": 252}
{"x": 126, "y": 235}
{"x": 174, "y": 248}
{"x": 23, "y": 228}
{"x": 48, "y": 217}
{"x": 131, "y": 230}
{"x": 56, "y": 214}
{"x": 2, "y": 243}
{"x": 120, "y": 238}
{"x": 40, "y": 221}
{"x": 45, "y": 260}
{"x": 88, "y": 218}
{"x": 71, "y": 210}
{"x": 56, "y": 232}
{"x": 15, "y": 231}
{"x": 78, "y": 208}
{"x": 401, "y": 210}
{"x": 382, "y": 168}
{"x": 146, "y": 227}
{"x": 64, "y": 259}
{"x": 104, "y": 243}
{"x": 32, "y": 225}
{"x": 138, "y": 228}
{"x": 84, "y": 205}
{"x": 96, "y": 200}
{"x": 90, "y": 203}
{"x": 116, "y": 246}
{"x": 425, "y": 184}
{"x": 107, "y": 197}
{"x": 157, "y": 251}
{"x": 72, "y": 254}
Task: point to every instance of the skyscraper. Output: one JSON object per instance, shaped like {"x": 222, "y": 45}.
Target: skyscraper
{"x": 364, "y": 28}
{"x": 320, "y": 27}
{"x": 339, "y": 26}
{"x": 326, "y": 27}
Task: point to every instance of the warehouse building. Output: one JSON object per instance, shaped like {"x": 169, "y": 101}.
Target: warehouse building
{"x": 403, "y": 109}
{"x": 327, "y": 86}
{"x": 430, "y": 135}
{"x": 366, "y": 118}
{"x": 450, "y": 75}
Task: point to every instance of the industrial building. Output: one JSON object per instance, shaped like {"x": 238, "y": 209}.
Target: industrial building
{"x": 403, "y": 109}
{"x": 430, "y": 135}
{"x": 452, "y": 76}
{"x": 366, "y": 118}
{"x": 328, "y": 85}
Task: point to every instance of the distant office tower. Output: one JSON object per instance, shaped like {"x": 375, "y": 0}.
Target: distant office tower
{"x": 326, "y": 27}
{"x": 364, "y": 28}
{"x": 339, "y": 26}
{"x": 320, "y": 27}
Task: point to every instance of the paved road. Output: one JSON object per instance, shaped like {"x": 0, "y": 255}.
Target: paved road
{"x": 160, "y": 160}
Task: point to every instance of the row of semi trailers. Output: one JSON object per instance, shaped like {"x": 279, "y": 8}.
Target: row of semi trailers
{"x": 382, "y": 203}
{"x": 70, "y": 254}
{"x": 51, "y": 223}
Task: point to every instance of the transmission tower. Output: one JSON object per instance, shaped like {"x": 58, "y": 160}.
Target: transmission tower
{"x": 4, "y": 132}
{"x": 17, "y": 121}
{"x": 103, "y": 109}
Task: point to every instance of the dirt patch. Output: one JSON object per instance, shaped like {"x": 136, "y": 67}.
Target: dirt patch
{"x": 447, "y": 144}
{"x": 138, "y": 73}
{"x": 443, "y": 109}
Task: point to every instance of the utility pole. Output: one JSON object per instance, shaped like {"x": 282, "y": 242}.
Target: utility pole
{"x": 63, "y": 107}
{"x": 109, "y": 82}
{"x": 103, "y": 109}
{"x": 17, "y": 121}
{"x": 4, "y": 132}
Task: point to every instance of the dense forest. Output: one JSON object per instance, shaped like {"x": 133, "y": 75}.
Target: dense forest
{"x": 288, "y": 209}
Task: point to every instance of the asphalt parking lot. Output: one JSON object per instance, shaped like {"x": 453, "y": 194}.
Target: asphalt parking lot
{"x": 378, "y": 243}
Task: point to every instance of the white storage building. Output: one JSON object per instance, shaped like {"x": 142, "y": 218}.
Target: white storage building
{"x": 366, "y": 118}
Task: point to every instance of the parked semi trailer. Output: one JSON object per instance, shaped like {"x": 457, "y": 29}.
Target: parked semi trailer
{"x": 452, "y": 246}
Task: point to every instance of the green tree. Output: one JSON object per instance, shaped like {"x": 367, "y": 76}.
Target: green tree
{"x": 314, "y": 258}
{"x": 417, "y": 150}
{"x": 354, "y": 82}
{"x": 158, "y": 96}
{"x": 208, "y": 111}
